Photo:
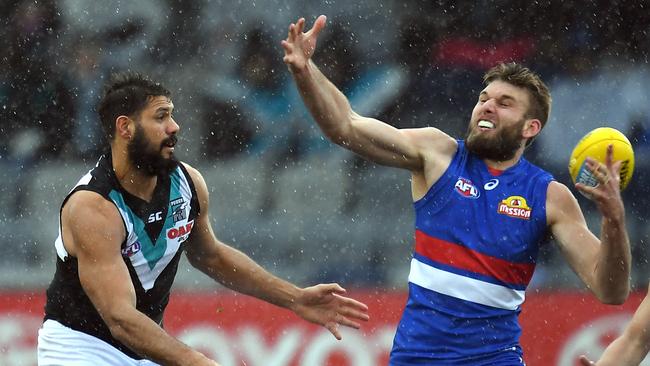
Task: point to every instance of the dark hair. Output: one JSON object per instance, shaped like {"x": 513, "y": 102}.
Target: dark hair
{"x": 126, "y": 94}
{"x": 517, "y": 75}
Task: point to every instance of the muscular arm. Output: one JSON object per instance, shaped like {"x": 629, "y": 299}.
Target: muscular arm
{"x": 602, "y": 264}
{"x": 371, "y": 138}
{"x": 321, "y": 304}
{"x": 633, "y": 345}
{"x": 228, "y": 265}
{"x": 93, "y": 232}
{"x": 368, "y": 137}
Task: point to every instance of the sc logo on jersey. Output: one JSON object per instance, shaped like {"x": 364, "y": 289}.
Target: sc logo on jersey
{"x": 466, "y": 188}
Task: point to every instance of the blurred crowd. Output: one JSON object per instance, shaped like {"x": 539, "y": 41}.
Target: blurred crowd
{"x": 409, "y": 63}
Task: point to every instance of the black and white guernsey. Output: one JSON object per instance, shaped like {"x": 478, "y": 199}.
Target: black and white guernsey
{"x": 152, "y": 247}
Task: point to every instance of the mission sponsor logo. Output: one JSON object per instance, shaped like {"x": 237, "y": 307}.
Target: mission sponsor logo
{"x": 515, "y": 206}
{"x": 466, "y": 188}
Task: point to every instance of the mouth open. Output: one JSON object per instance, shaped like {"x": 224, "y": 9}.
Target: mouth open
{"x": 170, "y": 142}
{"x": 485, "y": 124}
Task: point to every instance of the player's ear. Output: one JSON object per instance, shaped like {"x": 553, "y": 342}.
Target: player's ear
{"x": 124, "y": 127}
{"x": 532, "y": 127}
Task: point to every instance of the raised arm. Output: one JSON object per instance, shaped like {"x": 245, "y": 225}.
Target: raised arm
{"x": 93, "y": 232}
{"x": 603, "y": 264}
{"x": 321, "y": 304}
{"x": 377, "y": 141}
{"x": 633, "y": 345}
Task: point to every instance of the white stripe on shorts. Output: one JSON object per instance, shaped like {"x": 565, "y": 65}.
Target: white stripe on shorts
{"x": 59, "y": 345}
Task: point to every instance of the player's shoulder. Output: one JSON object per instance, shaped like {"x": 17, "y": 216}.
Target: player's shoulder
{"x": 559, "y": 188}
{"x": 193, "y": 172}
{"x": 427, "y": 133}
{"x": 196, "y": 177}
{"x": 86, "y": 204}
{"x": 431, "y": 138}
{"x": 559, "y": 197}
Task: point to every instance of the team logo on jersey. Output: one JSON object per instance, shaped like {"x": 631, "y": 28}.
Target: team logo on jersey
{"x": 130, "y": 250}
{"x": 515, "y": 206}
{"x": 178, "y": 209}
{"x": 466, "y": 188}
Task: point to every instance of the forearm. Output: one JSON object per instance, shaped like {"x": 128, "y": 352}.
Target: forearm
{"x": 240, "y": 273}
{"x": 614, "y": 264}
{"x": 624, "y": 351}
{"x": 633, "y": 345}
{"x": 327, "y": 104}
{"x": 148, "y": 339}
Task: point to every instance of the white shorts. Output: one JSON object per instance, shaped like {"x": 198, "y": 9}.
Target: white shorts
{"x": 59, "y": 345}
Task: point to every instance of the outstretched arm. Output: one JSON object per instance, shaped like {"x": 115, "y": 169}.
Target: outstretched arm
{"x": 93, "y": 231}
{"x": 322, "y": 304}
{"x": 603, "y": 265}
{"x": 633, "y": 345}
{"x": 368, "y": 137}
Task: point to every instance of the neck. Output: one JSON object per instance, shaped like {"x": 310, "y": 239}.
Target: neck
{"x": 132, "y": 179}
{"x": 505, "y": 164}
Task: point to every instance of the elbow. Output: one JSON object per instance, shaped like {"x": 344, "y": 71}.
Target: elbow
{"x": 339, "y": 136}
{"x": 338, "y": 139}
{"x": 617, "y": 296}
{"x": 613, "y": 300}
{"x": 118, "y": 332}
{"x": 342, "y": 133}
{"x": 119, "y": 326}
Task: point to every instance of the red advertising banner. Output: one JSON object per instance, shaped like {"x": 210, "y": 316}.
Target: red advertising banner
{"x": 237, "y": 330}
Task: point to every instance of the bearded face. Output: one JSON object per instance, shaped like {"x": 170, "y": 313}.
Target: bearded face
{"x": 148, "y": 157}
{"x": 499, "y": 146}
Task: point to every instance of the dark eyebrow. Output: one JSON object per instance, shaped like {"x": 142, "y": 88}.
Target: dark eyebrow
{"x": 505, "y": 96}
{"x": 164, "y": 109}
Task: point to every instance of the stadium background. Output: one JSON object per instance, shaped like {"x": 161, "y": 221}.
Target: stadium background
{"x": 306, "y": 210}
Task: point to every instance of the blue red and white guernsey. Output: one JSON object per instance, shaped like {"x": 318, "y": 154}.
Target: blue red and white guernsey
{"x": 477, "y": 237}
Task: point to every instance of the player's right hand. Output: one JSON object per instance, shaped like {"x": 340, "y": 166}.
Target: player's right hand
{"x": 299, "y": 46}
{"x": 606, "y": 194}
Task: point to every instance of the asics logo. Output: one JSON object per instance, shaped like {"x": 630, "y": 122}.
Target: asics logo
{"x": 491, "y": 184}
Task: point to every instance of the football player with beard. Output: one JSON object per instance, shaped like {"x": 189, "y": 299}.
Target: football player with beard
{"x": 481, "y": 212}
{"x": 123, "y": 228}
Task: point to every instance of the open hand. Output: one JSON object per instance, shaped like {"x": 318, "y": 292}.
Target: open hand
{"x": 324, "y": 304}
{"x": 607, "y": 193}
{"x": 299, "y": 46}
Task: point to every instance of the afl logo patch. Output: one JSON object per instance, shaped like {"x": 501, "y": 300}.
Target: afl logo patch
{"x": 515, "y": 206}
{"x": 466, "y": 188}
{"x": 132, "y": 249}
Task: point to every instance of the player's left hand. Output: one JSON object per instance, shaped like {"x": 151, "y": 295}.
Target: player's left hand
{"x": 324, "y": 304}
{"x": 607, "y": 193}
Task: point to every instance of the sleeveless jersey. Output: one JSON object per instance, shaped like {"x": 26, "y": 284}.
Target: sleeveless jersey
{"x": 476, "y": 244}
{"x": 151, "y": 249}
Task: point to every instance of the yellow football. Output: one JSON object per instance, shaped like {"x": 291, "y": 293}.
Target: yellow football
{"x": 594, "y": 145}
